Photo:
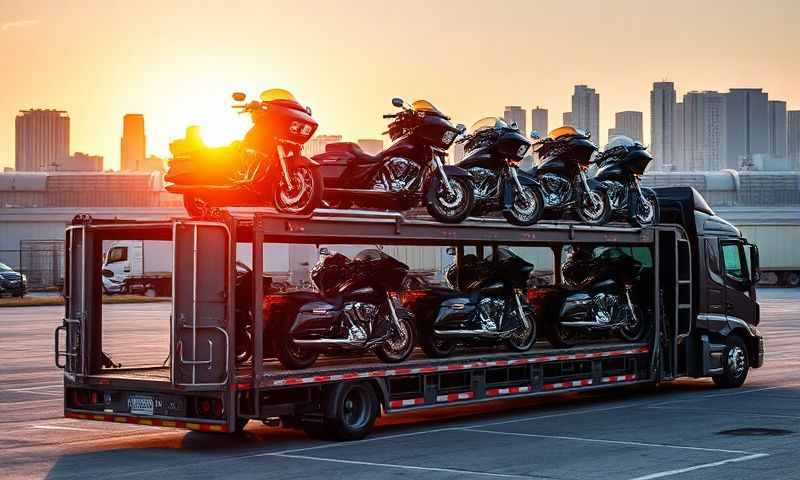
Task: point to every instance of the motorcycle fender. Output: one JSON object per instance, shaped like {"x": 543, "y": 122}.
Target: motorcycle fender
{"x": 454, "y": 171}
{"x": 596, "y": 184}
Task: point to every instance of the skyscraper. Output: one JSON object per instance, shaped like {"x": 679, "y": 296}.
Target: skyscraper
{"x": 586, "y": 110}
{"x": 704, "y": 130}
{"x": 777, "y": 129}
{"x": 42, "y": 140}
{"x": 132, "y": 145}
{"x": 793, "y": 137}
{"x": 747, "y": 117}
{"x": 539, "y": 121}
{"x": 628, "y": 123}
{"x": 662, "y": 115}
{"x": 515, "y": 114}
{"x": 566, "y": 118}
{"x": 678, "y": 146}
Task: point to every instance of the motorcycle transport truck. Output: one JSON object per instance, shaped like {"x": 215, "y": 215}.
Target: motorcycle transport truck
{"x": 702, "y": 276}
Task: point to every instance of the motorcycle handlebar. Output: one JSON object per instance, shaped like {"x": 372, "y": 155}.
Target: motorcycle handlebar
{"x": 390, "y": 115}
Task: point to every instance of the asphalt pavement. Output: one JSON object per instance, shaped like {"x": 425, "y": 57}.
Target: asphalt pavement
{"x": 687, "y": 429}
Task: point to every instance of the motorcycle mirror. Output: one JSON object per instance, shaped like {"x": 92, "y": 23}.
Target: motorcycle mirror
{"x": 461, "y": 128}
{"x": 238, "y": 96}
{"x": 535, "y": 135}
{"x": 324, "y": 251}
{"x": 397, "y": 102}
{"x": 451, "y": 251}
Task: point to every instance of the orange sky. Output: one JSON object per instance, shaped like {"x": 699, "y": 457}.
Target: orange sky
{"x": 178, "y": 63}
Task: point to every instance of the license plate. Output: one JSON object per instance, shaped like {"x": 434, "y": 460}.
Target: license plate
{"x": 140, "y": 404}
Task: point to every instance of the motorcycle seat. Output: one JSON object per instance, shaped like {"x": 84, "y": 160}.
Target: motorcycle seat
{"x": 361, "y": 157}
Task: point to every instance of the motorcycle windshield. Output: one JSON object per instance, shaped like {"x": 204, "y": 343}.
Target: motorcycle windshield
{"x": 425, "y": 106}
{"x": 277, "y": 94}
{"x": 620, "y": 141}
{"x": 488, "y": 123}
{"x": 567, "y": 130}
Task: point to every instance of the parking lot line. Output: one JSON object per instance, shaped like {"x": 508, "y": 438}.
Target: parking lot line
{"x": 401, "y": 467}
{"x": 726, "y": 394}
{"x": 678, "y": 471}
{"x": 616, "y": 442}
{"x": 724, "y": 412}
{"x": 57, "y": 427}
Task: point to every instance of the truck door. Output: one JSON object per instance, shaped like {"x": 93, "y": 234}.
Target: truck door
{"x": 739, "y": 301}
{"x": 201, "y": 310}
{"x": 714, "y": 282}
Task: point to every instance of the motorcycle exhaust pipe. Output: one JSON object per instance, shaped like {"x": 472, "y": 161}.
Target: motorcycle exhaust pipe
{"x": 473, "y": 333}
{"x": 593, "y": 325}
{"x": 330, "y": 342}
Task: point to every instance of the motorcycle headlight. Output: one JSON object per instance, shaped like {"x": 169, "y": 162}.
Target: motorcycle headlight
{"x": 295, "y": 127}
{"x": 522, "y": 150}
{"x": 307, "y": 129}
{"x": 448, "y": 137}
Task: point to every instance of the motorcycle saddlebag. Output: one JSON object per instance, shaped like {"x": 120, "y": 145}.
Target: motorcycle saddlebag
{"x": 207, "y": 166}
{"x": 333, "y": 164}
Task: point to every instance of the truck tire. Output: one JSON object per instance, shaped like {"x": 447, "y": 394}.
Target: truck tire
{"x": 736, "y": 364}
{"x": 349, "y": 411}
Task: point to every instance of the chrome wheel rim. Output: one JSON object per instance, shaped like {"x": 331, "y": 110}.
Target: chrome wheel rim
{"x": 736, "y": 361}
{"x": 525, "y": 203}
{"x": 398, "y": 342}
{"x": 595, "y": 208}
{"x": 297, "y": 198}
{"x": 448, "y": 201}
{"x": 645, "y": 211}
{"x": 355, "y": 411}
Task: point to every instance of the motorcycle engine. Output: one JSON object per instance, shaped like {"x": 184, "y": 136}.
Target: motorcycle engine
{"x": 604, "y": 308}
{"x": 397, "y": 175}
{"x": 616, "y": 194}
{"x": 556, "y": 189}
{"x": 361, "y": 317}
{"x": 485, "y": 182}
{"x": 490, "y": 311}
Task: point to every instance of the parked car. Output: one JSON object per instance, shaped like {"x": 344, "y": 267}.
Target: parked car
{"x": 11, "y": 282}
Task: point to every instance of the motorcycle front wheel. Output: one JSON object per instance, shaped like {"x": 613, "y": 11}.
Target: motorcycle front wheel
{"x": 524, "y": 337}
{"x": 305, "y": 193}
{"x": 595, "y": 208}
{"x": 527, "y": 209}
{"x": 399, "y": 345}
{"x": 641, "y": 214}
{"x": 449, "y": 207}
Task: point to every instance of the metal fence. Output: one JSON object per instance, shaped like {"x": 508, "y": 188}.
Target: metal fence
{"x": 41, "y": 261}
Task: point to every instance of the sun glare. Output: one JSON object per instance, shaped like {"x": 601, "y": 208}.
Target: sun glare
{"x": 218, "y": 131}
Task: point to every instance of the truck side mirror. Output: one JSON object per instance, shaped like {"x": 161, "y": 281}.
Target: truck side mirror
{"x": 755, "y": 273}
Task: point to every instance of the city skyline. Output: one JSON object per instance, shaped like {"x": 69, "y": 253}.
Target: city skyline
{"x": 157, "y": 65}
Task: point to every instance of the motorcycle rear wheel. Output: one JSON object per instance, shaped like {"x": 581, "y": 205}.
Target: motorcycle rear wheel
{"x": 450, "y": 210}
{"x": 525, "y": 213}
{"x": 595, "y": 209}
{"x": 561, "y": 337}
{"x": 434, "y": 347}
{"x": 302, "y": 199}
{"x": 400, "y": 345}
{"x": 636, "y": 331}
{"x": 289, "y": 353}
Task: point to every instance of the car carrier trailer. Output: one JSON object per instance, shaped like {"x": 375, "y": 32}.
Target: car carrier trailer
{"x": 202, "y": 387}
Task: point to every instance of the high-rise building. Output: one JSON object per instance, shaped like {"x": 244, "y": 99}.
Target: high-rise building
{"x": 371, "y": 145}
{"x": 316, "y": 145}
{"x": 42, "y": 140}
{"x": 586, "y": 110}
{"x": 704, "y": 130}
{"x": 627, "y": 123}
{"x": 539, "y": 121}
{"x": 515, "y": 114}
{"x": 566, "y": 118}
{"x": 82, "y": 162}
{"x": 662, "y": 115}
{"x": 133, "y": 149}
{"x": 678, "y": 147}
{"x": 793, "y": 139}
{"x": 747, "y": 117}
{"x": 777, "y": 129}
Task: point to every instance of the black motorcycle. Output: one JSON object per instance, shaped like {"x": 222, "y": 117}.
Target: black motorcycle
{"x": 619, "y": 168}
{"x": 410, "y": 171}
{"x": 493, "y": 152}
{"x": 565, "y": 156}
{"x": 352, "y": 312}
{"x": 485, "y": 306}
{"x": 267, "y": 167}
{"x": 603, "y": 297}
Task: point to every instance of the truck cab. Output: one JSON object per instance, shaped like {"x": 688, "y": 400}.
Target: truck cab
{"x": 725, "y": 269}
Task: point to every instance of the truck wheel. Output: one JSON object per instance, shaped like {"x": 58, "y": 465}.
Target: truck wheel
{"x": 736, "y": 364}
{"x": 350, "y": 410}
